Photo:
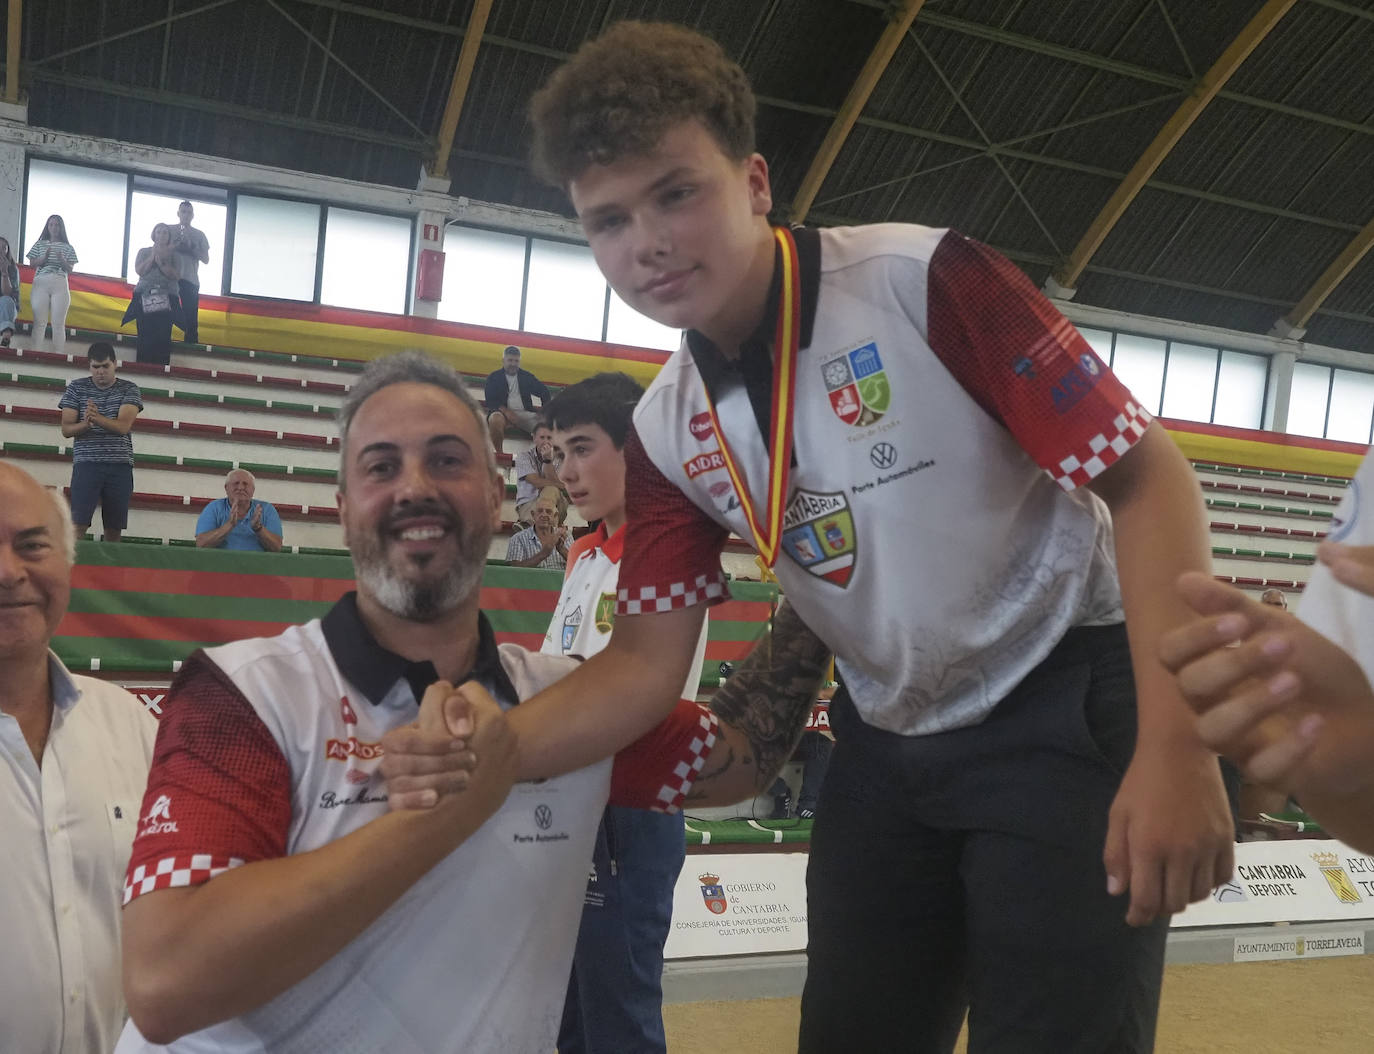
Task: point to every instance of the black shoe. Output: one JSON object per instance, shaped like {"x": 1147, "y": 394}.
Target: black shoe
{"x": 782, "y": 807}
{"x": 806, "y": 814}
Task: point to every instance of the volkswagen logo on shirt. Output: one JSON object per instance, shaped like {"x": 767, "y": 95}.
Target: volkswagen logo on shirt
{"x": 543, "y": 816}
{"x": 883, "y": 455}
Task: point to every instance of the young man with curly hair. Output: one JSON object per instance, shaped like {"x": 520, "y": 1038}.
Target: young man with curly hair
{"x": 938, "y": 468}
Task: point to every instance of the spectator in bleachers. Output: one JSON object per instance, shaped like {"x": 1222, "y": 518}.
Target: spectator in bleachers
{"x": 545, "y": 542}
{"x": 74, "y": 757}
{"x": 9, "y": 292}
{"x": 192, "y": 249}
{"x": 53, "y": 258}
{"x": 509, "y": 398}
{"x": 98, "y": 414}
{"x": 156, "y": 303}
{"x": 534, "y": 472}
{"x": 236, "y": 521}
{"x": 1275, "y": 599}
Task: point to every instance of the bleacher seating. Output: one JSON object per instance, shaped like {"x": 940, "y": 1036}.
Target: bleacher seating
{"x": 213, "y": 409}
{"x": 139, "y": 610}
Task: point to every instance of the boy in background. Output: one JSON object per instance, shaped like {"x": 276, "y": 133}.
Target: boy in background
{"x": 615, "y": 994}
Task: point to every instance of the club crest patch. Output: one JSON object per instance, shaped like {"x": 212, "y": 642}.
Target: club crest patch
{"x": 572, "y": 622}
{"x": 857, "y": 385}
{"x": 605, "y": 613}
{"x": 818, "y": 533}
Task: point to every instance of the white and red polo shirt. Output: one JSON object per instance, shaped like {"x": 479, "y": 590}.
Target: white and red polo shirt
{"x": 936, "y": 535}
{"x": 270, "y": 747}
{"x": 582, "y": 621}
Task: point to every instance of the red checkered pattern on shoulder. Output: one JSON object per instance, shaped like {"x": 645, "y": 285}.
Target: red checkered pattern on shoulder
{"x": 678, "y": 747}
{"x": 672, "y": 548}
{"x": 219, "y": 790}
{"x": 1025, "y": 364}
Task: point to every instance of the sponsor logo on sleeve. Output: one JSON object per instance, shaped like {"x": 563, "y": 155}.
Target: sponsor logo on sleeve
{"x": 1081, "y": 378}
{"x": 700, "y": 426}
{"x": 159, "y": 819}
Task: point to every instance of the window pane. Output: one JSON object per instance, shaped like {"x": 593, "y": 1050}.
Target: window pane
{"x": 1139, "y": 365}
{"x": 625, "y": 325}
{"x": 1240, "y": 390}
{"x": 483, "y": 276}
{"x": 276, "y": 245}
{"x": 146, "y": 209}
{"x": 1307, "y": 408}
{"x": 1100, "y": 340}
{"x": 366, "y": 261}
{"x": 1191, "y": 379}
{"x": 1352, "y": 404}
{"x": 91, "y": 202}
{"x": 567, "y": 295}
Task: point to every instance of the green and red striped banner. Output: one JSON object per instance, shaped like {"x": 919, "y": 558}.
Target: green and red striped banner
{"x": 143, "y": 609}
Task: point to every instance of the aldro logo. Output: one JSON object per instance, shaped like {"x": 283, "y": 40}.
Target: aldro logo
{"x": 707, "y": 462}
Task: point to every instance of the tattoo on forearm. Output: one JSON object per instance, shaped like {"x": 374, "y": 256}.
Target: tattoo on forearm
{"x": 769, "y": 698}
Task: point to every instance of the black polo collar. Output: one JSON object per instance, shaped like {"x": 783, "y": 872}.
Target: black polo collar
{"x": 374, "y": 670}
{"x": 754, "y": 367}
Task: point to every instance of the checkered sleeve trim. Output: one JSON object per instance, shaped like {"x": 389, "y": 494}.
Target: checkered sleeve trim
{"x": 658, "y": 771}
{"x": 1103, "y": 449}
{"x": 673, "y": 793}
{"x": 671, "y": 557}
{"x": 704, "y": 589}
{"x": 172, "y": 872}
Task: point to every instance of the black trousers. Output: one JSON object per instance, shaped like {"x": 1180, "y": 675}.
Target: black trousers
{"x": 155, "y": 338}
{"x": 964, "y": 871}
{"x": 190, "y": 311}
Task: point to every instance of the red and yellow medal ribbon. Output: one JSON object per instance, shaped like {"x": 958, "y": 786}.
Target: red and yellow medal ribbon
{"x": 786, "y": 343}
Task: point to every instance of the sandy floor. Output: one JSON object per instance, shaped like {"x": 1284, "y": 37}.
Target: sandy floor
{"x": 1323, "y": 1006}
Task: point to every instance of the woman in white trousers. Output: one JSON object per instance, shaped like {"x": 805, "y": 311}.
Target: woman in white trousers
{"x": 52, "y": 258}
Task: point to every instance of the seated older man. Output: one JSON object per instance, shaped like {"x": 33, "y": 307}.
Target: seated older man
{"x": 237, "y": 521}
{"x": 74, "y": 757}
{"x": 545, "y": 542}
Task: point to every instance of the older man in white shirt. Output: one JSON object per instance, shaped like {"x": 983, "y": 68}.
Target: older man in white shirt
{"x": 74, "y": 757}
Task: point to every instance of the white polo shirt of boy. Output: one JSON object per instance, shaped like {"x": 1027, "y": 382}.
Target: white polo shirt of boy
{"x": 582, "y": 621}
{"x": 936, "y": 532}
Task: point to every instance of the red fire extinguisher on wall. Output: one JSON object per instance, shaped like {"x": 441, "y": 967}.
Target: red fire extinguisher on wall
{"x": 429, "y": 275}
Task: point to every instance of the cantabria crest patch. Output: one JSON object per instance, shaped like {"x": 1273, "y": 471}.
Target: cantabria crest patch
{"x": 858, "y": 385}
{"x": 818, "y": 533}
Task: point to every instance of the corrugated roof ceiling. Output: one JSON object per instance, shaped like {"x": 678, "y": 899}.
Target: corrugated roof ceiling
{"x": 1013, "y": 120}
